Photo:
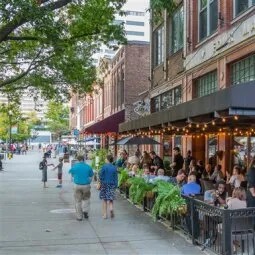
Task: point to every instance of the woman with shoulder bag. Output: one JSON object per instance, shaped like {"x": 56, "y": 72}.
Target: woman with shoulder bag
{"x": 108, "y": 181}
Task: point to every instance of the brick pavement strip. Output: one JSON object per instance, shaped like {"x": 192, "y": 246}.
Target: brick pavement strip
{"x": 28, "y": 224}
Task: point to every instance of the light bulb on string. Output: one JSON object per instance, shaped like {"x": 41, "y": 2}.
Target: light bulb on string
{"x": 213, "y": 123}
{"x": 236, "y": 117}
{"x": 190, "y": 125}
{"x": 223, "y": 120}
{"x": 197, "y": 125}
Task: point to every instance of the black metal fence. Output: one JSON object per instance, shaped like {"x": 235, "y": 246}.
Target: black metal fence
{"x": 223, "y": 231}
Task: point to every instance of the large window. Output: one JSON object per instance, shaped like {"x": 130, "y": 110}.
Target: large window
{"x": 166, "y": 100}
{"x": 208, "y": 17}
{"x": 134, "y": 13}
{"x": 206, "y": 84}
{"x": 243, "y": 70}
{"x": 159, "y": 46}
{"x": 242, "y": 5}
{"x": 155, "y": 104}
{"x": 134, "y": 23}
{"x": 177, "y": 31}
{"x": 135, "y": 33}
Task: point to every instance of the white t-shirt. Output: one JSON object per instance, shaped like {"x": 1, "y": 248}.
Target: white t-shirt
{"x": 235, "y": 203}
{"x": 234, "y": 181}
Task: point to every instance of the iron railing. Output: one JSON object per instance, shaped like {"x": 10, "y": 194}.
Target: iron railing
{"x": 223, "y": 231}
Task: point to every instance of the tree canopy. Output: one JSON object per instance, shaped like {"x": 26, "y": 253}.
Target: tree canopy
{"x": 58, "y": 118}
{"x": 10, "y": 117}
{"x": 46, "y": 45}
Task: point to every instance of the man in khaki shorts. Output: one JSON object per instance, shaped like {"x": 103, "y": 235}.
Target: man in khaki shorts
{"x": 82, "y": 175}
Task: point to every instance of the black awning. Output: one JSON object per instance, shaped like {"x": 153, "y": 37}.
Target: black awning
{"x": 239, "y": 97}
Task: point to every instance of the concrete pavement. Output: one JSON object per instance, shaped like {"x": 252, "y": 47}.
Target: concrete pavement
{"x": 35, "y": 221}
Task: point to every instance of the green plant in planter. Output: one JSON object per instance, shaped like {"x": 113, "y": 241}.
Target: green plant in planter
{"x": 122, "y": 177}
{"x": 138, "y": 188}
{"x": 102, "y": 154}
{"x": 168, "y": 200}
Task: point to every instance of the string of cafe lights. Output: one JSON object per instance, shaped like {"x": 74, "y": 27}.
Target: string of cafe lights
{"x": 201, "y": 129}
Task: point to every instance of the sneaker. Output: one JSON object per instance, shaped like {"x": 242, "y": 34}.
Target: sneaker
{"x": 59, "y": 186}
{"x": 79, "y": 219}
{"x": 86, "y": 216}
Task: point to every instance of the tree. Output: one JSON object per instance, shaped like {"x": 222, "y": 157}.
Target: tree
{"x": 58, "y": 118}
{"x": 10, "y": 116}
{"x": 46, "y": 45}
{"x": 158, "y": 6}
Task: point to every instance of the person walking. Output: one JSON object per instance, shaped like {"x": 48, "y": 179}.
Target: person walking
{"x": 60, "y": 172}
{"x": 109, "y": 182}
{"x": 82, "y": 174}
{"x": 44, "y": 171}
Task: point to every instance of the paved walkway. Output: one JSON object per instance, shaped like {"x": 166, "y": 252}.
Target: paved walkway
{"x": 35, "y": 221}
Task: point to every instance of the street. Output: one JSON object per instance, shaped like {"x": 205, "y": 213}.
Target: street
{"x": 34, "y": 220}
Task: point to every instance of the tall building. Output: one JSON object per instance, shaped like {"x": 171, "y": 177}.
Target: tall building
{"x": 28, "y": 105}
{"x": 203, "y": 82}
{"x": 136, "y": 26}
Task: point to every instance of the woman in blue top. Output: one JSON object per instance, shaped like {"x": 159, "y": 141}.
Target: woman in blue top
{"x": 109, "y": 182}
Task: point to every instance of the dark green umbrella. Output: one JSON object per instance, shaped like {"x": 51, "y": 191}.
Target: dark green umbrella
{"x": 136, "y": 140}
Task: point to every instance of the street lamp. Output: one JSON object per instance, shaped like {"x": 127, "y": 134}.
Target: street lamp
{"x": 10, "y": 128}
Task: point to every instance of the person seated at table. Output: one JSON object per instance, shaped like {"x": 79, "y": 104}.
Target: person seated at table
{"x": 238, "y": 199}
{"x": 200, "y": 169}
{"x": 121, "y": 161}
{"x": 128, "y": 167}
{"x": 191, "y": 188}
{"x": 217, "y": 175}
{"x": 207, "y": 172}
{"x": 135, "y": 159}
{"x": 192, "y": 166}
{"x": 236, "y": 178}
{"x": 160, "y": 176}
{"x": 147, "y": 173}
{"x": 133, "y": 171}
{"x": 218, "y": 196}
{"x": 179, "y": 179}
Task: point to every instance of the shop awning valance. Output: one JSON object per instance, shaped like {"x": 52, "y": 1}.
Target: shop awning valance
{"x": 107, "y": 125}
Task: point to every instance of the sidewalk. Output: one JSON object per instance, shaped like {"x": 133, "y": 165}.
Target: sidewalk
{"x": 35, "y": 221}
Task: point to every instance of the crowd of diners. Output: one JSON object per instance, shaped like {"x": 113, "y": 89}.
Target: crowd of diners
{"x": 235, "y": 190}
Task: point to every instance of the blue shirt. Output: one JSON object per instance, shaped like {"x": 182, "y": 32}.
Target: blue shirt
{"x": 81, "y": 173}
{"x": 109, "y": 175}
{"x": 191, "y": 188}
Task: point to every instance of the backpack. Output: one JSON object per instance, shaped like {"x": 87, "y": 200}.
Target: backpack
{"x": 41, "y": 165}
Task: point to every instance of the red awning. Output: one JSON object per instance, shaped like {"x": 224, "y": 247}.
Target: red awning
{"x": 109, "y": 124}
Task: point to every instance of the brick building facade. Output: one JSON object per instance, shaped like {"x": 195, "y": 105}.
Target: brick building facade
{"x": 202, "y": 79}
{"x": 123, "y": 80}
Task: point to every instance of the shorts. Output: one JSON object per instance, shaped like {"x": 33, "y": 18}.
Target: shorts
{"x": 59, "y": 176}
